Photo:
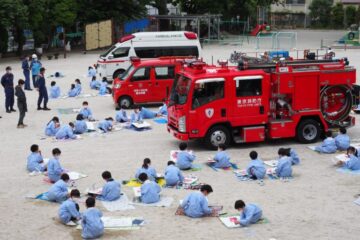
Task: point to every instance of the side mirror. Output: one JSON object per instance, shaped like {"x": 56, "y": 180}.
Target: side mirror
{"x": 111, "y": 56}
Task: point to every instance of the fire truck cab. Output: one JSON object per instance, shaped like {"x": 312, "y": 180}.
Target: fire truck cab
{"x": 220, "y": 104}
{"x": 145, "y": 81}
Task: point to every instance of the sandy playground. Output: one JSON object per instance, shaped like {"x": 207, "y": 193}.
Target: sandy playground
{"x": 316, "y": 204}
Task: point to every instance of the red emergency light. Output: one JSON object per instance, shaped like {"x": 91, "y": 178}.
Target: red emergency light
{"x": 190, "y": 35}
{"x": 126, "y": 38}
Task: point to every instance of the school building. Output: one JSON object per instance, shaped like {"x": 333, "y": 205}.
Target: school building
{"x": 295, "y": 13}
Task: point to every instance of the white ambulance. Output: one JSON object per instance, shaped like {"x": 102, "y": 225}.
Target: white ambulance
{"x": 146, "y": 45}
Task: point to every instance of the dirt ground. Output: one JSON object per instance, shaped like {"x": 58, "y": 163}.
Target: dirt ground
{"x": 316, "y": 204}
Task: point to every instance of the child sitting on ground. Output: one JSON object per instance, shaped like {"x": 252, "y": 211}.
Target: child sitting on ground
{"x": 184, "y": 158}
{"x": 54, "y": 90}
{"x": 342, "y": 140}
{"x": 73, "y": 91}
{"x": 86, "y": 111}
{"x": 148, "y": 169}
{"x": 35, "y": 160}
{"x": 52, "y": 127}
{"x": 95, "y": 84}
{"x": 59, "y": 191}
{"x": 80, "y": 125}
{"x": 283, "y": 169}
{"x": 221, "y": 158}
{"x": 173, "y": 175}
{"x": 195, "y": 204}
{"x": 250, "y": 213}
{"x": 290, "y": 152}
{"x": 328, "y": 145}
{"x": 104, "y": 89}
{"x": 136, "y": 115}
{"x": 150, "y": 191}
{"x": 69, "y": 210}
{"x": 91, "y": 223}
{"x": 111, "y": 191}
{"x": 106, "y": 125}
{"x": 54, "y": 168}
{"x": 66, "y": 132}
{"x": 256, "y": 169}
{"x": 353, "y": 162}
{"x": 121, "y": 114}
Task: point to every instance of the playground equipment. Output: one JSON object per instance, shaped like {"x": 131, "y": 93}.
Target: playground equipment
{"x": 276, "y": 40}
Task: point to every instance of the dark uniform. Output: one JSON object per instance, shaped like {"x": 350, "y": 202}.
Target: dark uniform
{"x": 7, "y": 81}
{"x": 21, "y": 102}
{"x": 26, "y": 70}
{"x": 43, "y": 94}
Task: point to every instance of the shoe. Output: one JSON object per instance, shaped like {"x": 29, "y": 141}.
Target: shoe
{"x": 28, "y": 89}
{"x": 46, "y": 109}
{"x": 8, "y": 111}
{"x": 39, "y": 108}
{"x": 20, "y": 126}
{"x": 13, "y": 110}
{"x": 25, "y": 125}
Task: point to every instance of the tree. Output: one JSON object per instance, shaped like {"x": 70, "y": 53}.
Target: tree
{"x": 14, "y": 17}
{"x": 358, "y": 16}
{"x": 337, "y": 15}
{"x": 350, "y": 15}
{"x": 320, "y": 11}
{"x": 36, "y": 19}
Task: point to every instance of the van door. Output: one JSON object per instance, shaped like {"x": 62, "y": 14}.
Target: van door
{"x": 164, "y": 78}
{"x": 250, "y": 105}
{"x": 140, "y": 85}
{"x": 118, "y": 59}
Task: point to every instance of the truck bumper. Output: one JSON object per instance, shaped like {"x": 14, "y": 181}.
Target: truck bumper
{"x": 177, "y": 134}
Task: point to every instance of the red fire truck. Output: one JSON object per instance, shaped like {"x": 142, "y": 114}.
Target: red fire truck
{"x": 251, "y": 103}
{"x": 146, "y": 81}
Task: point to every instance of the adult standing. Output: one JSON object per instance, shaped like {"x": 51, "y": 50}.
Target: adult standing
{"x": 7, "y": 81}
{"x": 26, "y": 70}
{"x": 21, "y": 102}
{"x": 41, "y": 87}
{"x": 35, "y": 68}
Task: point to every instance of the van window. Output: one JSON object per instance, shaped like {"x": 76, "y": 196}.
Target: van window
{"x": 248, "y": 87}
{"x": 166, "y": 72}
{"x": 207, "y": 92}
{"x": 142, "y": 74}
{"x": 154, "y": 52}
{"x": 121, "y": 52}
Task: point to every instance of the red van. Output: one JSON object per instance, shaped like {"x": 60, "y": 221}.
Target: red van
{"x": 146, "y": 81}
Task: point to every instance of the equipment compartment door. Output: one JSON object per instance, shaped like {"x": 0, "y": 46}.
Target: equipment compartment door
{"x": 251, "y": 100}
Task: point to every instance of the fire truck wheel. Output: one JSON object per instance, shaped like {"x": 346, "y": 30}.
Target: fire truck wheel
{"x": 308, "y": 131}
{"x": 217, "y": 135}
{"x": 125, "y": 101}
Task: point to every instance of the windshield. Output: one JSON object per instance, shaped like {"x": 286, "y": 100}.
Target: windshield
{"x": 107, "y": 52}
{"x": 126, "y": 74}
{"x": 180, "y": 90}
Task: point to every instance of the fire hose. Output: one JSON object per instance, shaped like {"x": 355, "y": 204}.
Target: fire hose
{"x": 336, "y": 104}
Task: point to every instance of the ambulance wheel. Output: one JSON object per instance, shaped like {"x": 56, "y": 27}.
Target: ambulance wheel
{"x": 308, "y": 131}
{"x": 125, "y": 101}
{"x": 117, "y": 73}
{"x": 217, "y": 135}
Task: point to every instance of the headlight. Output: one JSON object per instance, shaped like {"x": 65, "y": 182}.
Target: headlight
{"x": 117, "y": 86}
{"x": 182, "y": 124}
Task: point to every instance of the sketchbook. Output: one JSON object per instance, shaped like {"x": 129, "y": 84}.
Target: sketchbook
{"x": 76, "y": 175}
{"x": 141, "y": 124}
{"x": 271, "y": 163}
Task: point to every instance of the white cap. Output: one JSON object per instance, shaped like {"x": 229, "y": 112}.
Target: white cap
{"x": 34, "y": 56}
